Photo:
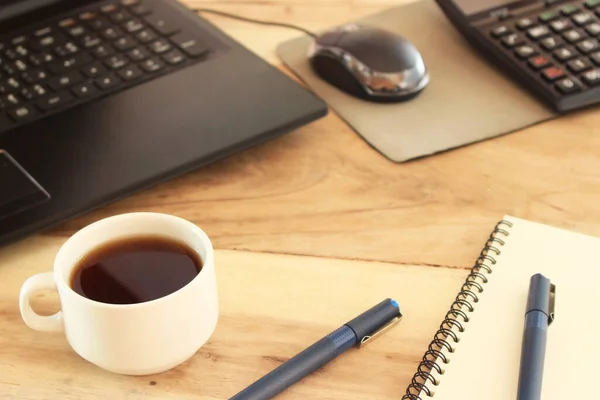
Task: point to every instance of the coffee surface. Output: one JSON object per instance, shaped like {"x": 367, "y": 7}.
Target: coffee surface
{"x": 135, "y": 270}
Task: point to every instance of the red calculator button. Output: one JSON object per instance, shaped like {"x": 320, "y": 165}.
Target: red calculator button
{"x": 539, "y": 62}
{"x": 553, "y": 73}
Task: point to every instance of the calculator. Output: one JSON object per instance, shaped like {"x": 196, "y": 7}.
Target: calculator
{"x": 549, "y": 47}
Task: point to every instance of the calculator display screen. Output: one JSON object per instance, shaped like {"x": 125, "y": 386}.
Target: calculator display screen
{"x": 470, "y": 7}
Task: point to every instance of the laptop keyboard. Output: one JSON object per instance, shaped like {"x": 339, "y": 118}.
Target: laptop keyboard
{"x": 81, "y": 57}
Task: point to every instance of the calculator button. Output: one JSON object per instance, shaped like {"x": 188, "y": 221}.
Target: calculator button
{"x": 565, "y": 54}
{"x": 538, "y": 32}
{"x": 588, "y": 45}
{"x": 551, "y": 43}
{"x": 501, "y": 30}
{"x": 579, "y": 65}
{"x": 560, "y": 25}
{"x": 583, "y": 18}
{"x": 526, "y": 51}
{"x": 591, "y": 4}
{"x": 591, "y": 77}
{"x": 593, "y": 29}
{"x": 513, "y": 40}
{"x": 539, "y": 62}
{"x": 568, "y": 85}
{"x": 569, "y": 9}
{"x": 553, "y": 73}
{"x": 574, "y": 35}
{"x": 595, "y": 58}
{"x": 525, "y": 23}
{"x": 548, "y": 16}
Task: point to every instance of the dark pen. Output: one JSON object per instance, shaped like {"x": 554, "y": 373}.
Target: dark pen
{"x": 539, "y": 315}
{"x": 357, "y": 332}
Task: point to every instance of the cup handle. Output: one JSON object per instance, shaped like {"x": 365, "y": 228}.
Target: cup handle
{"x": 51, "y": 323}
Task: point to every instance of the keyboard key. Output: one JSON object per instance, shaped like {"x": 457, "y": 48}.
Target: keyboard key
{"x": 583, "y": 18}
{"x": 140, "y": 10}
{"x": 574, "y": 35}
{"x": 146, "y": 36}
{"x": 27, "y": 93}
{"x": 34, "y": 75}
{"x": 102, "y": 51}
{"x": 163, "y": 26}
{"x": 591, "y": 4}
{"x": 10, "y": 54}
{"x": 76, "y": 31}
{"x": 133, "y": 25}
{"x": 138, "y": 54}
{"x": 84, "y": 90}
{"x": 22, "y": 113}
{"x": 595, "y": 58}
{"x": 112, "y": 33}
{"x": 39, "y": 90}
{"x": 152, "y": 65}
{"x": 125, "y": 43}
{"x": 109, "y": 8}
{"x": 501, "y": 30}
{"x": 538, "y": 32}
{"x": 88, "y": 16}
{"x": 11, "y": 84}
{"x": 130, "y": 73}
{"x": 130, "y": 3}
{"x": 99, "y": 24}
{"x": 117, "y": 61}
{"x": 592, "y": 77}
{"x": 67, "y": 23}
{"x": 65, "y": 81}
{"x": 66, "y": 49}
{"x": 42, "y": 31}
{"x": 525, "y": 23}
{"x": 565, "y": 54}
{"x": 548, "y": 16}
{"x": 553, "y": 73}
{"x": 10, "y": 100}
{"x": 579, "y": 65}
{"x": 524, "y": 52}
{"x": 560, "y": 25}
{"x": 587, "y": 46}
{"x": 593, "y": 29}
{"x": 539, "y": 62}
{"x": 569, "y": 9}
{"x": 160, "y": 46}
{"x": 20, "y": 66}
{"x": 54, "y": 101}
{"x": 65, "y": 64}
{"x": 94, "y": 70}
{"x": 89, "y": 41}
{"x": 120, "y": 16}
{"x": 551, "y": 43}
{"x": 175, "y": 57}
{"x": 47, "y": 42}
{"x": 195, "y": 48}
{"x": 107, "y": 81}
{"x": 42, "y": 58}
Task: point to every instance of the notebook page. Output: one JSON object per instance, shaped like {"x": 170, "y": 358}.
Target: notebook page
{"x": 485, "y": 363}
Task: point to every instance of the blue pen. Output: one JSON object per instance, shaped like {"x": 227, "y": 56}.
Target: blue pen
{"x": 539, "y": 315}
{"x": 357, "y": 332}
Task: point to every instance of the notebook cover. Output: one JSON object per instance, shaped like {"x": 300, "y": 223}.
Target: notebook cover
{"x": 484, "y": 363}
{"x": 467, "y": 101}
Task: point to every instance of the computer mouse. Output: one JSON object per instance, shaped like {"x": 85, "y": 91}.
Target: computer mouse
{"x": 369, "y": 63}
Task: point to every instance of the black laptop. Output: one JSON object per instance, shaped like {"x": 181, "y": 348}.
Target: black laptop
{"x": 100, "y": 99}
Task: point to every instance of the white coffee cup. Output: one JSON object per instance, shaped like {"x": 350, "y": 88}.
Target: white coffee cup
{"x": 132, "y": 339}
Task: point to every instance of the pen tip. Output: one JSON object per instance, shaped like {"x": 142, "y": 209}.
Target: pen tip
{"x": 395, "y": 303}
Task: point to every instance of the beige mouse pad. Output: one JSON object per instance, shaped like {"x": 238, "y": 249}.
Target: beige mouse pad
{"x": 466, "y": 101}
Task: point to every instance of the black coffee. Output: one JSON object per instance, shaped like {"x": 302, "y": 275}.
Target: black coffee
{"x": 135, "y": 270}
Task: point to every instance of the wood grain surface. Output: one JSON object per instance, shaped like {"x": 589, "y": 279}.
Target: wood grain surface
{"x": 310, "y": 230}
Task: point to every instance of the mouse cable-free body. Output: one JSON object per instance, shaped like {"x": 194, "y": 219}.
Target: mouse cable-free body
{"x": 253, "y": 21}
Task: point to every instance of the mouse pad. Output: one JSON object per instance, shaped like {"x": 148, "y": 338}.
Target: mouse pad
{"x": 467, "y": 100}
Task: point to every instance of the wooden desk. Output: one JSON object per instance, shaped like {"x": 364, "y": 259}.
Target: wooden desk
{"x": 310, "y": 230}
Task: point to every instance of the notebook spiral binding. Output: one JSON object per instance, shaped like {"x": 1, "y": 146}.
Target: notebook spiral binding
{"x": 473, "y": 285}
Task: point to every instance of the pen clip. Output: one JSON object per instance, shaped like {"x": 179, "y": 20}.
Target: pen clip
{"x": 551, "y": 301}
{"x": 380, "y": 332}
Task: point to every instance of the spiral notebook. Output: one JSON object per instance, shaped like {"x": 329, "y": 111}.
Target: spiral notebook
{"x": 475, "y": 354}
